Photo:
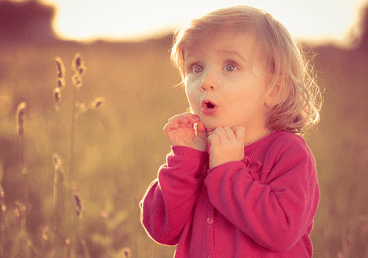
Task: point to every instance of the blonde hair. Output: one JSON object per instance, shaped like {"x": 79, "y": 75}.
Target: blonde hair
{"x": 297, "y": 97}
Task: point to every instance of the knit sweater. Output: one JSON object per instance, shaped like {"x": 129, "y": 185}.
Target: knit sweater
{"x": 261, "y": 206}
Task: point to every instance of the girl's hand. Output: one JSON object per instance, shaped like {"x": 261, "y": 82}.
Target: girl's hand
{"x": 227, "y": 144}
{"x": 180, "y": 130}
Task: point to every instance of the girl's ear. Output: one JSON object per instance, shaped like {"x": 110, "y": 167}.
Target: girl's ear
{"x": 273, "y": 96}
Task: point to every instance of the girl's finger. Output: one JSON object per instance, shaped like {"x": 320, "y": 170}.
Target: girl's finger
{"x": 229, "y": 133}
{"x": 220, "y": 132}
{"x": 192, "y": 118}
{"x": 201, "y": 130}
{"x": 170, "y": 126}
{"x": 239, "y": 133}
{"x": 213, "y": 139}
{"x": 184, "y": 118}
{"x": 177, "y": 117}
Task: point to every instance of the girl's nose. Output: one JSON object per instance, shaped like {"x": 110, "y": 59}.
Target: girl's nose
{"x": 209, "y": 82}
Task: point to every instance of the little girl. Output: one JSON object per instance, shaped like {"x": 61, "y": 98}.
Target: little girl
{"x": 240, "y": 181}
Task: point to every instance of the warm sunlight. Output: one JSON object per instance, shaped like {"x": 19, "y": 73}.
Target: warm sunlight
{"x": 91, "y": 165}
{"x": 115, "y": 19}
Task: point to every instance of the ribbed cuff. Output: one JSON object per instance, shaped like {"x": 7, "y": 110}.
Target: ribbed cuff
{"x": 183, "y": 150}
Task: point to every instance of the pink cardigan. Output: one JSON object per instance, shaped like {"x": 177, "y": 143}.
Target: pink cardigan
{"x": 262, "y": 206}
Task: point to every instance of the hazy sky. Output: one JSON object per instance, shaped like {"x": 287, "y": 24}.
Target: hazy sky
{"x": 121, "y": 19}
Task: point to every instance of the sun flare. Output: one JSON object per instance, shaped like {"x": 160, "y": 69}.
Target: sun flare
{"x": 116, "y": 20}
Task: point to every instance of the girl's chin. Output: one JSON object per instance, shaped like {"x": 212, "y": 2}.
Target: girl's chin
{"x": 211, "y": 126}
{"x": 211, "y": 123}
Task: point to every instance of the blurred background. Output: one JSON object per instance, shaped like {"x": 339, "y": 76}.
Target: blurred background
{"x": 71, "y": 183}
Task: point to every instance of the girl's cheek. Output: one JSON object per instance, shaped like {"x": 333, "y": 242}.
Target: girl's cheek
{"x": 193, "y": 102}
{"x": 193, "y": 93}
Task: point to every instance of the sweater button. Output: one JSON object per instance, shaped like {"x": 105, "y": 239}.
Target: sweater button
{"x": 209, "y": 221}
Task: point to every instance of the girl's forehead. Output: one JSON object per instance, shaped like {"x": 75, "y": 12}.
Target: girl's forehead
{"x": 243, "y": 43}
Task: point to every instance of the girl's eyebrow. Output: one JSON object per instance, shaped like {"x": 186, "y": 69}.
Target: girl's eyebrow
{"x": 222, "y": 51}
{"x": 229, "y": 52}
{"x": 188, "y": 55}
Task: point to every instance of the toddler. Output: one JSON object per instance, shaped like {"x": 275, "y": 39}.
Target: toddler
{"x": 240, "y": 180}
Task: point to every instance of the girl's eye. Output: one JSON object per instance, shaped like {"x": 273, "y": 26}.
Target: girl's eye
{"x": 230, "y": 67}
{"x": 196, "y": 68}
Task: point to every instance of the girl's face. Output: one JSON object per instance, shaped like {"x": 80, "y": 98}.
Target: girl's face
{"x": 225, "y": 82}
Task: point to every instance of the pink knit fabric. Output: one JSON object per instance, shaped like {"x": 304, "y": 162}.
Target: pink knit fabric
{"x": 262, "y": 206}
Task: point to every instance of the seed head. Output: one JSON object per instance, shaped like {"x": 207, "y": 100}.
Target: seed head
{"x": 20, "y": 212}
{"x": 126, "y": 252}
{"x": 19, "y": 118}
{"x": 78, "y": 65}
{"x": 61, "y": 83}
{"x": 98, "y": 102}
{"x": 45, "y": 233}
{"x": 57, "y": 161}
{"x": 78, "y": 202}
{"x": 77, "y": 62}
{"x": 2, "y": 199}
{"x": 57, "y": 95}
{"x": 77, "y": 80}
{"x": 60, "y": 68}
{"x": 82, "y": 70}
{"x": 2, "y": 194}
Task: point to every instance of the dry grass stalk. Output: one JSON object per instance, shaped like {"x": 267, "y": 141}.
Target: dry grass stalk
{"x": 77, "y": 80}
{"x": 78, "y": 203}
{"x": 57, "y": 95}
{"x": 60, "y": 67}
{"x": 57, "y": 171}
{"x": 19, "y": 118}
{"x": 2, "y": 199}
{"x": 20, "y": 212}
{"x": 78, "y": 65}
{"x": 127, "y": 252}
{"x": 61, "y": 83}
{"x": 98, "y": 102}
{"x": 60, "y": 71}
{"x": 46, "y": 231}
{"x": 79, "y": 70}
{"x": 19, "y": 121}
{"x": 57, "y": 161}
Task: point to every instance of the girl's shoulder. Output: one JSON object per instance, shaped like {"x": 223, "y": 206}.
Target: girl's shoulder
{"x": 277, "y": 144}
{"x": 288, "y": 143}
{"x": 279, "y": 138}
{"x": 288, "y": 137}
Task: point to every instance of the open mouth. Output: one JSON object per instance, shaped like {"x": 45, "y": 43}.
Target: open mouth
{"x": 208, "y": 107}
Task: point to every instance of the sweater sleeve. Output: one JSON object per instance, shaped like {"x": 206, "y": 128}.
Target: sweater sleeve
{"x": 169, "y": 200}
{"x": 275, "y": 211}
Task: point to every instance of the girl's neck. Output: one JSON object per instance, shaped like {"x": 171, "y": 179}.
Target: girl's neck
{"x": 252, "y": 137}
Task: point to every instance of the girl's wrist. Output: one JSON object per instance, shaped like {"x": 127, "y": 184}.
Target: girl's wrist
{"x": 189, "y": 151}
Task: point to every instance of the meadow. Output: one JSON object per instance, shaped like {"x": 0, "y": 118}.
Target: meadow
{"x": 71, "y": 183}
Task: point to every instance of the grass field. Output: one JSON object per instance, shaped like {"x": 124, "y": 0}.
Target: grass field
{"x": 119, "y": 146}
